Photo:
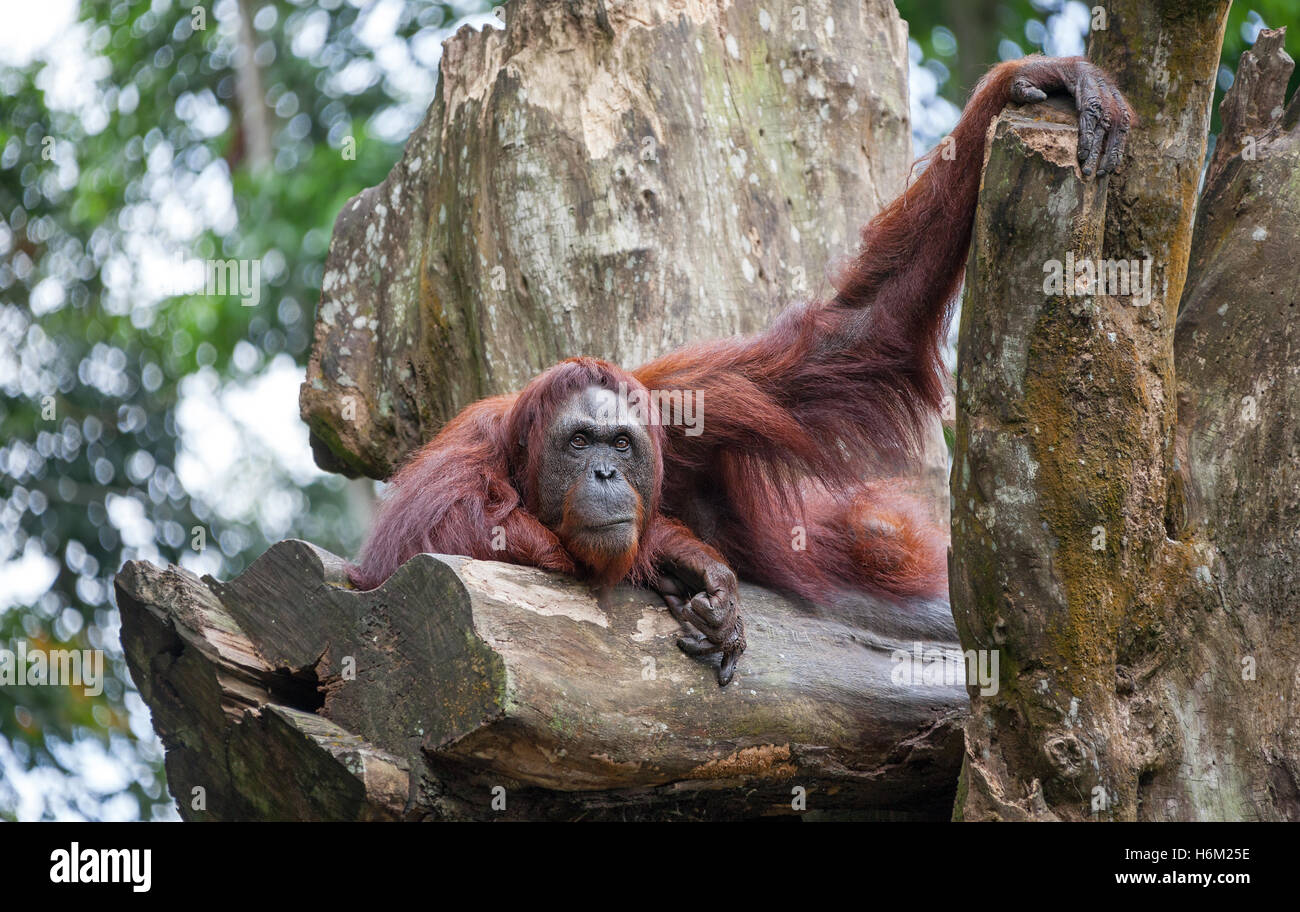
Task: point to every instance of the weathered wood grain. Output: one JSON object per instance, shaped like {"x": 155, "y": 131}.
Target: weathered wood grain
{"x": 1137, "y": 573}
{"x": 417, "y": 699}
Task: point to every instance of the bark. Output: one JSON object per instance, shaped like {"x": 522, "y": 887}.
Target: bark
{"x": 254, "y": 116}
{"x": 1036, "y": 384}
{"x": 1238, "y": 453}
{"x": 1124, "y": 534}
{"x": 285, "y": 694}
{"x": 605, "y": 179}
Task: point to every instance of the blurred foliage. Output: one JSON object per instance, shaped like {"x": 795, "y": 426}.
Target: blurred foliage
{"x": 144, "y": 160}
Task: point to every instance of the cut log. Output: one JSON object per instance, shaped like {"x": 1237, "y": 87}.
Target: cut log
{"x": 466, "y": 689}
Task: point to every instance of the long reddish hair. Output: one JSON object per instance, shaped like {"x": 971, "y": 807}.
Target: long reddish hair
{"x": 834, "y": 389}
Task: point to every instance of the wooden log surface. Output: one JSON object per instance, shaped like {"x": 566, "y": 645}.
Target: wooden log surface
{"x": 285, "y": 694}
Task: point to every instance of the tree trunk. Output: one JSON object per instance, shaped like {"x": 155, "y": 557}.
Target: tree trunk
{"x": 1124, "y": 536}
{"x": 462, "y": 684}
{"x": 1238, "y": 462}
{"x": 254, "y": 116}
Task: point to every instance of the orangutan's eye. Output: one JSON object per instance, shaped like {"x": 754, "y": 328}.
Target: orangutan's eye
{"x": 578, "y": 441}
{"x": 622, "y": 443}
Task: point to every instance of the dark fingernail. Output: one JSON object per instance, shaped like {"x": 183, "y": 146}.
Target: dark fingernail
{"x": 727, "y": 671}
